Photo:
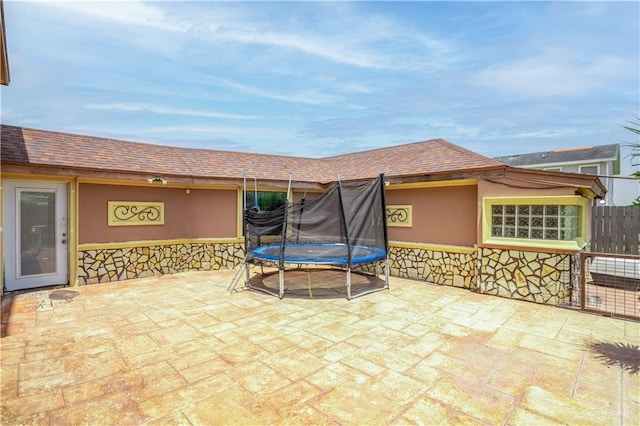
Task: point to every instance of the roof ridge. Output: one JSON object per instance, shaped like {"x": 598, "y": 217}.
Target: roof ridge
{"x": 382, "y": 148}
{"x": 462, "y": 150}
{"x": 247, "y": 153}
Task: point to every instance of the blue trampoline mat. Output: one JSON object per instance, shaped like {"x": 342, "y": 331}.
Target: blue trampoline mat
{"x": 319, "y": 253}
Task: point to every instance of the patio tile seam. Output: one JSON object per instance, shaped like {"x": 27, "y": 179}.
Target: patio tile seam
{"x": 621, "y": 396}
{"x": 579, "y": 370}
{"x": 317, "y": 396}
{"x": 405, "y": 407}
{"x": 518, "y": 401}
{"x": 481, "y": 383}
{"x": 458, "y": 411}
{"x": 191, "y": 400}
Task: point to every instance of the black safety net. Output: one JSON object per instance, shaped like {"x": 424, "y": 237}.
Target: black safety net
{"x": 346, "y": 226}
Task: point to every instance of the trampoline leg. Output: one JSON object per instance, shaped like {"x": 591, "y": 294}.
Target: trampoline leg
{"x": 281, "y": 280}
{"x": 386, "y": 271}
{"x": 349, "y": 283}
{"x": 246, "y": 268}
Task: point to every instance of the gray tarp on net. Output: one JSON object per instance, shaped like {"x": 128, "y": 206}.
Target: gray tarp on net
{"x": 346, "y": 226}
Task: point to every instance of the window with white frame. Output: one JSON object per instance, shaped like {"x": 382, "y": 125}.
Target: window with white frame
{"x": 554, "y": 221}
{"x": 590, "y": 170}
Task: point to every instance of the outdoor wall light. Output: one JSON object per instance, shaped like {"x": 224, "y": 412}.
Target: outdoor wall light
{"x": 157, "y": 179}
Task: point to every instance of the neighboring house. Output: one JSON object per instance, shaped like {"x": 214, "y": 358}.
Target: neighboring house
{"x": 603, "y": 161}
{"x": 81, "y": 210}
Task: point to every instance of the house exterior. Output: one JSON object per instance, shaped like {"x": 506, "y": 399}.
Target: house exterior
{"x": 602, "y": 160}
{"x": 81, "y": 210}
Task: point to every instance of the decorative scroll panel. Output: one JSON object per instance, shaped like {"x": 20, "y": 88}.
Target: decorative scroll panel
{"x": 400, "y": 216}
{"x": 136, "y": 213}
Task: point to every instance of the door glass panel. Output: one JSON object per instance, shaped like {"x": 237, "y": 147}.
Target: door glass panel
{"x": 37, "y": 233}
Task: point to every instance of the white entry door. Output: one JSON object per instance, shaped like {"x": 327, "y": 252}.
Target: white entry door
{"x": 35, "y": 234}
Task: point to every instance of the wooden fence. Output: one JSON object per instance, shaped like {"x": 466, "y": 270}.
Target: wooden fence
{"x": 615, "y": 229}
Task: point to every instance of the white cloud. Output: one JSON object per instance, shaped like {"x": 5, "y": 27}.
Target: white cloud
{"x": 359, "y": 88}
{"x": 375, "y": 48}
{"x": 317, "y": 46}
{"x": 217, "y": 132}
{"x": 158, "y": 109}
{"x": 547, "y": 75}
{"x": 365, "y": 40}
{"x": 130, "y": 12}
{"x": 310, "y": 97}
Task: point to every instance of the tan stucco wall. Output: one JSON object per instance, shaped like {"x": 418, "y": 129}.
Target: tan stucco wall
{"x": 441, "y": 215}
{"x": 515, "y": 188}
{"x": 202, "y": 213}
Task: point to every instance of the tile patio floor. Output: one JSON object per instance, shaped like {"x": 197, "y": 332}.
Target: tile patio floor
{"x": 180, "y": 350}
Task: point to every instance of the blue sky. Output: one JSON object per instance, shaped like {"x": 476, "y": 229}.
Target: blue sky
{"x": 324, "y": 78}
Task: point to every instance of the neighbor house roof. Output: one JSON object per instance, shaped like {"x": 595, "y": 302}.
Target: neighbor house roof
{"x": 563, "y": 156}
{"x": 24, "y": 146}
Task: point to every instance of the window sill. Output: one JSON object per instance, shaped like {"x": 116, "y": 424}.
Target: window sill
{"x": 572, "y": 245}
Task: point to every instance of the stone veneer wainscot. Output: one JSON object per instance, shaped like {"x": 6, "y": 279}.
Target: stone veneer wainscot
{"x": 455, "y": 268}
{"x": 532, "y": 276}
{"x": 114, "y": 264}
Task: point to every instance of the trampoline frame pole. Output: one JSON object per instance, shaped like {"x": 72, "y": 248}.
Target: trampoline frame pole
{"x": 281, "y": 283}
{"x": 245, "y": 229}
{"x": 386, "y": 271}
{"x": 256, "y": 202}
{"x": 386, "y": 233}
{"x": 244, "y": 190}
{"x": 349, "y": 283}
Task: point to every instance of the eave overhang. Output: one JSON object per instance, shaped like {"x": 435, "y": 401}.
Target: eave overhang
{"x": 588, "y": 186}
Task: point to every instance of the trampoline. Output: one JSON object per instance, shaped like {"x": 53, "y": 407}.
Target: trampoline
{"x": 319, "y": 253}
{"x": 345, "y": 227}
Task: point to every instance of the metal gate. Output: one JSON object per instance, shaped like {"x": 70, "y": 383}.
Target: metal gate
{"x": 610, "y": 284}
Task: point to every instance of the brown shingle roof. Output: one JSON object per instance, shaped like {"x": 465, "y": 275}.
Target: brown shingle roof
{"x": 418, "y": 158}
{"x": 45, "y": 148}
{"x": 38, "y": 147}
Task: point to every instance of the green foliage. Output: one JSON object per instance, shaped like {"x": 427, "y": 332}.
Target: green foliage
{"x": 267, "y": 200}
{"x": 634, "y": 126}
{"x": 636, "y": 202}
{"x": 272, "y": 200}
